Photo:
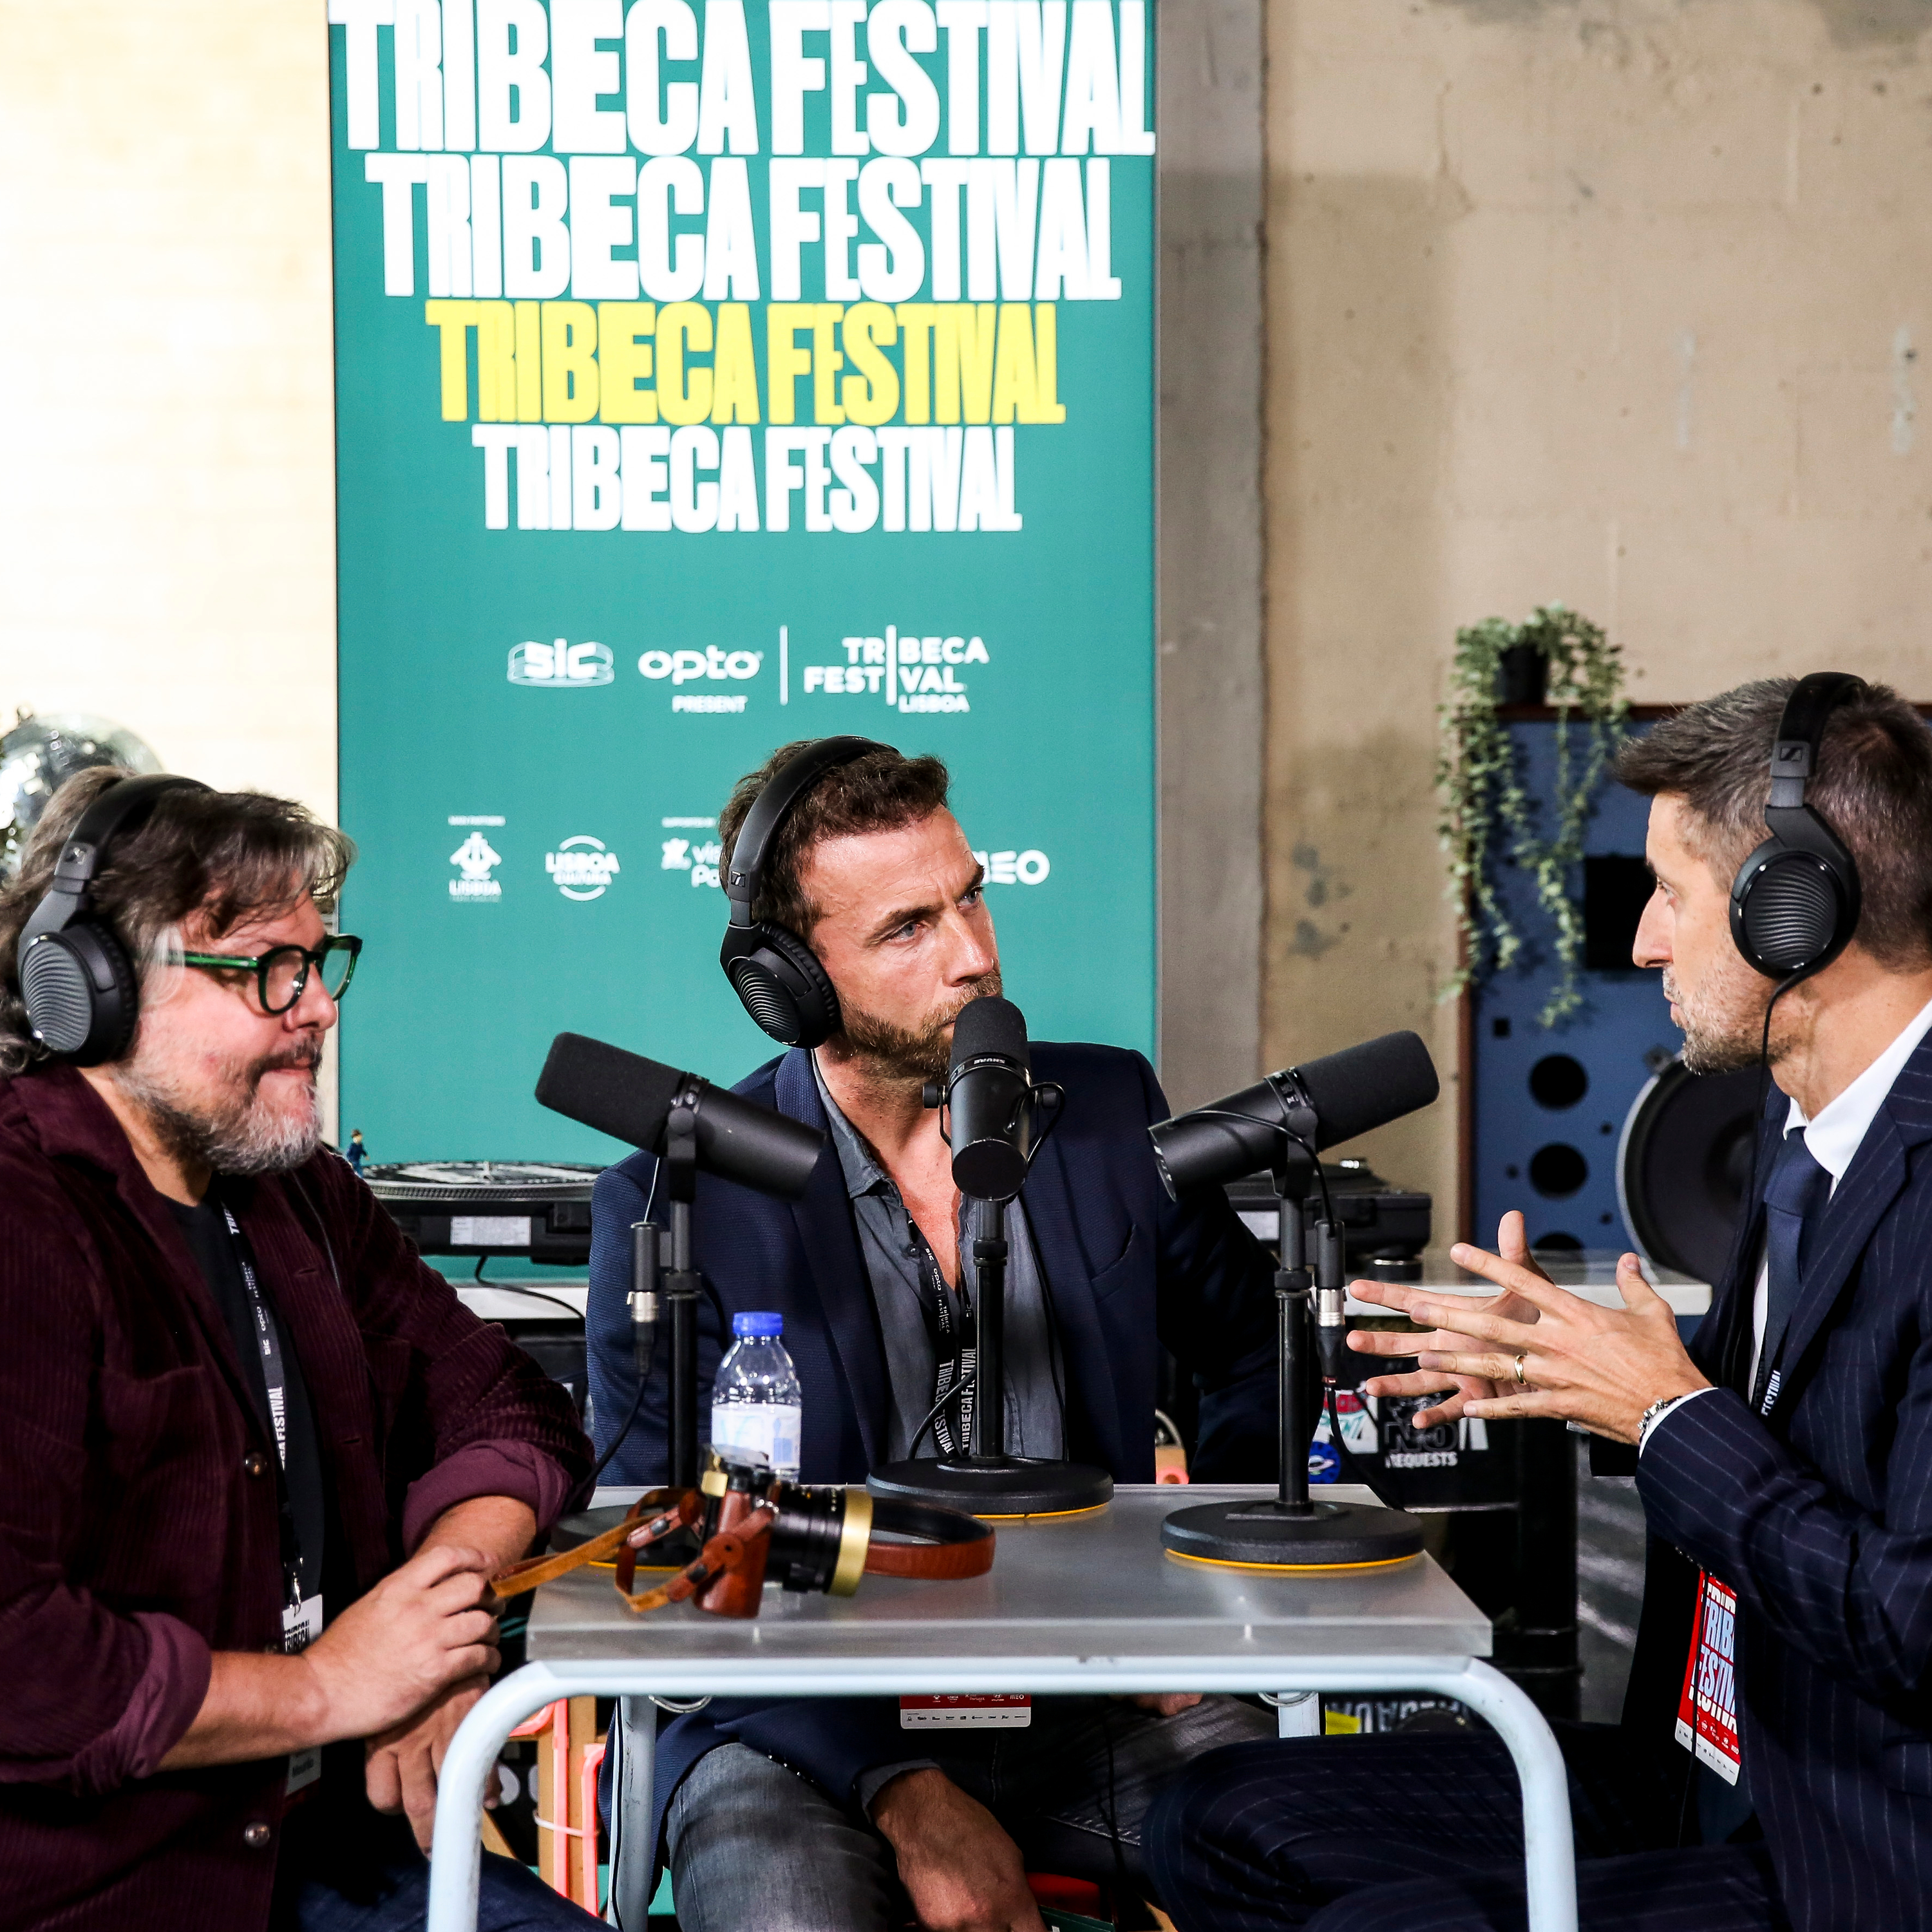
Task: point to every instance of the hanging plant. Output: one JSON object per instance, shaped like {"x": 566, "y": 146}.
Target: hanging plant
{"x": 1485, "y": 813}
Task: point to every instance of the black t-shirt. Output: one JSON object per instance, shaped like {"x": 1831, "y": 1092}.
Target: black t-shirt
{"x": 205, "y": 1229}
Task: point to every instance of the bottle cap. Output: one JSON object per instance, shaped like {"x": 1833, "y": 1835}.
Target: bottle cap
{"x": 762, "y": 1326}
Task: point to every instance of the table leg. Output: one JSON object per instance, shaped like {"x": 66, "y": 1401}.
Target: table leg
{"x": 1297, "y": 1713}
{"x": 468, "y": 1765}
{"x": 632, "y": 1858}
{"x": 1549, "y": 1850}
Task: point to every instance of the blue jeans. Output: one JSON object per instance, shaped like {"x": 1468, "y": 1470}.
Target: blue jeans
{"x": 510, "y": 1898}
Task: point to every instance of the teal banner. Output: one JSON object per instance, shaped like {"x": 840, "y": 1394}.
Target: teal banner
{"x": 708, "y": 377}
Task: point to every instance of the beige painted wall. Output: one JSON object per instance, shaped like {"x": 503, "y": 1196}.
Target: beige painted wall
{"x": 169, "y": 491}
{"x": 1621, "y": 303}
{"x": 170, "y": 494}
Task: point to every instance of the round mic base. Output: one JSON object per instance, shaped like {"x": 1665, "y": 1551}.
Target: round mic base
{"x": 996, "y": 1486}
{"x": 1265, "y": 1535}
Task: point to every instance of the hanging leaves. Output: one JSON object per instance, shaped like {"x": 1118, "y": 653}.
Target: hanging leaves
{"x": 1485, "y": 811}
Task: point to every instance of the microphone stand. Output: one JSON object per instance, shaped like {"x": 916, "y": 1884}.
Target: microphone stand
{"x": 1292, "y": 1531}
{"x": 989, "y": 1482}
{"x": 681, "y": 1288}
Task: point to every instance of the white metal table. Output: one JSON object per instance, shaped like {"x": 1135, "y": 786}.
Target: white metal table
{"x": 1083, "y": 1605}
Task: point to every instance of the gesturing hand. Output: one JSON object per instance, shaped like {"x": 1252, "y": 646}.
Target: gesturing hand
{"x": 1427, "y": 1378}
{"x": 422, "y": 1630}
{"x": 961, "y": 1871}
{"x": 1601, "y": 1366}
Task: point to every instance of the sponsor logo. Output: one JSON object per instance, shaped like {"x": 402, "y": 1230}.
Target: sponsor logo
{"x": 690, "y": 667}
{"x": 561, "y": 666}
{"x": 1030, "y": 867}
{"x": 912, "y": 674}
{"x": 698, "y": 860}
{"x": 582, "y": 867}
{"x": 476, "y": 859}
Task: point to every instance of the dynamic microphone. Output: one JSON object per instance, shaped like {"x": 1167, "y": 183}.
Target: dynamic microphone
{"x": 989, "y": 1090}
{"x": 1328, "y": 1101}
{"x": 1324, "y": 1103}
{"x": 631, "y": 1099}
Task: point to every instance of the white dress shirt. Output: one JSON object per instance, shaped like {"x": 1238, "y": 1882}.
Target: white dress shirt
{"x": 1833, "y": 1140}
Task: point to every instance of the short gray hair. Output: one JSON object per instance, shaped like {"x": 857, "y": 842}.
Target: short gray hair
{"x": 1873, "y": 786}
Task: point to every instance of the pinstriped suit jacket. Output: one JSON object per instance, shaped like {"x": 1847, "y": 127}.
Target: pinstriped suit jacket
{"x": 1820, "y": 1514}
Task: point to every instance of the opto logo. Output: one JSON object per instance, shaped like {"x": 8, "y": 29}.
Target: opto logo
{"x": 582, "y": 867}
{"x": 712, "y": 664}
{"x": 561, "y": 666}
{"x": 476, "y": 859}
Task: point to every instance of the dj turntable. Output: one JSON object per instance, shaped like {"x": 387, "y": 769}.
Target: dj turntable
{"x": 537, "y": 1211}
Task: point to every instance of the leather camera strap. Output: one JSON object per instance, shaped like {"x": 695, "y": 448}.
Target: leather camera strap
{"x": 949, "y": 1546}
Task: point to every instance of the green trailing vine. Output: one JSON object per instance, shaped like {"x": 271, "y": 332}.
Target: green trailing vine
{"x": 1485, "y": 812}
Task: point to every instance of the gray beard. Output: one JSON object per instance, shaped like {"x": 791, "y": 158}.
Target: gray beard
{"x": 241, "y": 1137}
{"x": 1722, "y": 1036}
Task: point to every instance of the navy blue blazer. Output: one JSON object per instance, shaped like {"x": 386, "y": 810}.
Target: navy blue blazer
{"x": 1128, "y": 1271}
{"x": 1819, "y": 1515}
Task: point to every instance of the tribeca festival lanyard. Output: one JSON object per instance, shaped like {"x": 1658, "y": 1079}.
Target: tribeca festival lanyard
{"x": 274, "y": 1377}
{"x": 955, "y": 1354}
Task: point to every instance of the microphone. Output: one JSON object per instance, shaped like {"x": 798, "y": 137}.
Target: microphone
{"x": 631, "y": 1099}
{"x": 1328, "y": 1101}
{"x": 1324, "y": 1102}
{"x": 989, "y": 1090}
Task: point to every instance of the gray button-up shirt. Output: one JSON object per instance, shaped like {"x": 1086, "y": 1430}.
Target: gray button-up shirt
{"x": 888, "y": 1244}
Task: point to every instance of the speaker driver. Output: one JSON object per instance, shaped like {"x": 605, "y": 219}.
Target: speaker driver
{"x": 1683, "y": 1165}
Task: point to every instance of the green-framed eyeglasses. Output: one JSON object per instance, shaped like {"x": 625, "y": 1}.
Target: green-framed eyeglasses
{"x": 281, "y": 975}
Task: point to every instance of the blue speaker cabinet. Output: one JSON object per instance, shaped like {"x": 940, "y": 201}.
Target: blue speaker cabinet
{"x": 1548, "y": 1105}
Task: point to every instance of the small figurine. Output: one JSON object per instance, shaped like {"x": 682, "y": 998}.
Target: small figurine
{"x": 356, "y": 1153}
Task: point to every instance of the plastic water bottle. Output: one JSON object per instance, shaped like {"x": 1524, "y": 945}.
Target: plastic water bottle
{"x": 756, "y": 1402}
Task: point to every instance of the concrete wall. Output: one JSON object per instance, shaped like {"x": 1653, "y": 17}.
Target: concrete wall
{"x": 1211, "y": 663}
{"x": 1620, "y": 303}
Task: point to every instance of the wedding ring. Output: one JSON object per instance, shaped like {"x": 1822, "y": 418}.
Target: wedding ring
{"x": 1522, "y": 1380}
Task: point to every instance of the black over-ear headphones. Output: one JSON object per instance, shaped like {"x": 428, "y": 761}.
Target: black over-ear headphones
{"x": 1795, "y": 902}
{"x": 81, "y": 989}
{"x": 784, "y": 988}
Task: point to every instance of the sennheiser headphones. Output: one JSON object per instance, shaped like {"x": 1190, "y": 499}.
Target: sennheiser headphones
{"x": 1795, "y": 902}
{"x": 777, "y": 977}
{"x": 81, "y": 989}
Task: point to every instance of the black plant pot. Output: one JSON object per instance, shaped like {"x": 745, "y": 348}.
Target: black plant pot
{"x": 1523, "y": 675}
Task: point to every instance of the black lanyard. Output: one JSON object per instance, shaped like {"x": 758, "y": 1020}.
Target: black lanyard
{"x": 954, "y": 1353}
{"x": 275, "y": 1382}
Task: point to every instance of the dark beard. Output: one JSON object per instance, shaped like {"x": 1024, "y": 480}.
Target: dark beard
{"x": 899, "y": 1053}
{"x": 239, "y": 1136}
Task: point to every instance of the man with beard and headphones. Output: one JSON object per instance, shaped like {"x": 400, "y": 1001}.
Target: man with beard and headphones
{"x": 858, "y": 929}
{"x": 257, "y": 1463}
{"x": 1774, "y": 1766}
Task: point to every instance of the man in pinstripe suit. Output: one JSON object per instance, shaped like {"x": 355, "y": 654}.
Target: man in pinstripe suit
{"x": 1785, "y": 1456}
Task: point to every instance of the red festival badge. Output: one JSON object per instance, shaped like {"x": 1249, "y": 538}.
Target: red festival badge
{"x": 1707, "y": 1713}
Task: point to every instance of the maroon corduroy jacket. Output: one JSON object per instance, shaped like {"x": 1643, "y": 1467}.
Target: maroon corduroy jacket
{"x": 138, "y": 1512}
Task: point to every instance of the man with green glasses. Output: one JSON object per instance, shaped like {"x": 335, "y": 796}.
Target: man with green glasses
{"x": 257, "y": 1463}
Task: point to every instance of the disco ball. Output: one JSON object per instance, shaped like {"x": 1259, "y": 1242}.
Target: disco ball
{"x": 40, "y": 755}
